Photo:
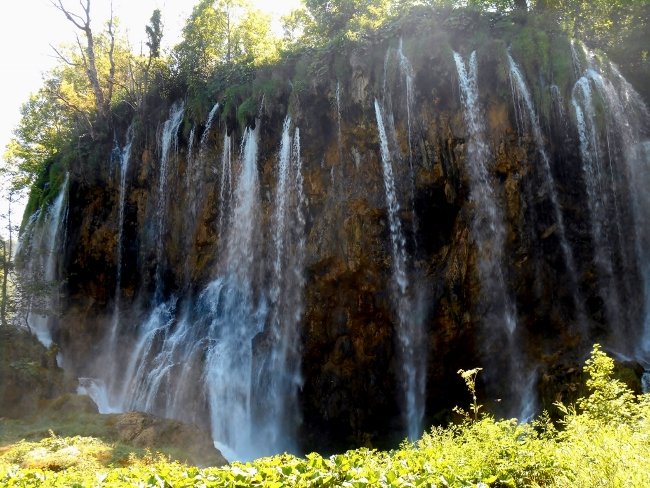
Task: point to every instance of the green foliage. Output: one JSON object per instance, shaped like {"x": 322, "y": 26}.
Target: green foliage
{"x": 605, "y": 444}
{"x": 329, "y": 22}
{"x": 246, "y": 111}
{"x": 154, "y": 34}
{"x": 561, "y": 63}
{"x": 45, "y": 126}
{"x": 223, "y": 32}
{"x": 45, "y": 186}
{"x": 610, "y": 400}
{"x": 469, "y": 377}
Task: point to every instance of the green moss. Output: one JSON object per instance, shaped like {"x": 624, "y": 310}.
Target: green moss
{"x": 46, "y": 187}
{"x": 562, "y": 64}
{"x": 233, "y": 98}
{"x": 247, "y": 111}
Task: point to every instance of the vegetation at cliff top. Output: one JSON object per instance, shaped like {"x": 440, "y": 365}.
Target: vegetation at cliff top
{"x": 101, "y": 78}
{"x": 604, "y": 440}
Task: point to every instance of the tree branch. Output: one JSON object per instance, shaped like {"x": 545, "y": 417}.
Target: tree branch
{"x": 111, "y": 73}
{"x": 62, "y": 57}
{"x": 77, "y": 20}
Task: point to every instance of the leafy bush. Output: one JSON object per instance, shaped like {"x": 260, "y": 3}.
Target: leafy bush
{"x": 603, "y": 441}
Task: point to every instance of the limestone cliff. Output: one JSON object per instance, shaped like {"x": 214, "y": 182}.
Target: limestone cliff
{"x": 350, "y": 385}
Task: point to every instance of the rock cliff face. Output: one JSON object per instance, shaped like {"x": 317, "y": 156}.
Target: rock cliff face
{"x": 350, "y": 389}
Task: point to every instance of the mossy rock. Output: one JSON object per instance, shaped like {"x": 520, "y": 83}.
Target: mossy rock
{"x": 29, "y": 374}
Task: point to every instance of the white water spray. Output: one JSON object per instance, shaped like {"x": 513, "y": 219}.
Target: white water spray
{"x": 44, "y": 236}
{"x": 409, "y": 330}
{"x": 168, "y": 141}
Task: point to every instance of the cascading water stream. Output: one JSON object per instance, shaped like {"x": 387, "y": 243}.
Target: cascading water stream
{"x": 191, "y": 163}
{"x": 601, "y": 198}
{"x": 211, "y": 343}
{"x": 225, "y": 184}
{"x": 195, "y": 167}
{"x": 250, "y": 392}
{"x": 488, "y": 230}
{"x": 409, "y": 331}
{"x": 238, "y": 316}
{"x": 575, "y": 60}
{"x": 616, "y": 171}
{"x": 125, "y": 158}
{"x": 96, "y": 388}
{"x": 339, "y": 134}
{"x": 190, "y": 154}
{"x": 396, "y": 64}
{"x": 42, "y": 264}
{"x": 277, "y": 372}
{"x": 523, "y": 103}
{"x": 168, "y": 140}
{"x": 407, "y": 72}
{"x": 208, "y": 126}
{"x": 488, "y": 226}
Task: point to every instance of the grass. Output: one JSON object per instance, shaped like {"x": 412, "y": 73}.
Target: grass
{"x": 603, "y": 440}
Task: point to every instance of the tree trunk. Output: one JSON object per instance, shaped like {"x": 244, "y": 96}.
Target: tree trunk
{"x": 6, "y": 266}
{"x": 92, "y": 70}
{"x": 83, "y": 24}
{"x": 5, "y": 274}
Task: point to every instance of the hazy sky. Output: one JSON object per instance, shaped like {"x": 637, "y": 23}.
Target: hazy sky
{"x": 28, "y": 27}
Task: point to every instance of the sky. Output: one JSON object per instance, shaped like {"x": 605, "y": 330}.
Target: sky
{"x": 28, "y": 27}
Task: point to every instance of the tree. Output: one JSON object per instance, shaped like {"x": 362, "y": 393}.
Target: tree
{"x": 253, "y": 40}
{"x": 207, "y": 38}
{"x": 46, "y": 124}
{"x": 500, "y": 5}
{"x": 89, "y": 56}
{"x": 340, "y": 17}
{"x": 223, "y": 32}
{"x": 297, "y": 25}
{"x": 13, "y": 191}
{"x": 154, "y": 32}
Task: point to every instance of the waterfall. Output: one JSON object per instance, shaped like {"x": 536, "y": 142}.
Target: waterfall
{"x": 396, "y": 235}
{"x": 407, "y": 72}
{"x": 643, "y": 243}
{"x": 601, "y": 198}
{"x": 402, "y": 70}
{"x": 190, "y": 149}
{"x": 125, "y": 156}
{"x": 237, "y": 317}
{"x": 237, "y": 341}
{"x": 488, "y": 225}
{"x": 488, "y": 228}
{"x": 193, "y": 176}
{"x": 189, "y": 173}
{"x": 225, "y": 184}
{"x": 40, "y": 248}
{"x": 409, "y": 331}
{"x": 145, "y": 365}
{"x": 526, "y": 116}
{"x": 575, "y": 60}
{"x": 339, "y": 134}
{"x": 208, "y": 126}
{"x": 616, "y": 174}
{"x": 168, "y": 140}
{"x": 278, "y": 371}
